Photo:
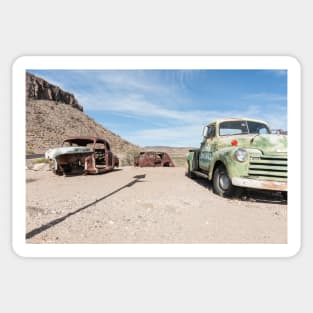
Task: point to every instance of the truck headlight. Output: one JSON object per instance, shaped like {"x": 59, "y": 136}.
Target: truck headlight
{"x": 241, "y": 155}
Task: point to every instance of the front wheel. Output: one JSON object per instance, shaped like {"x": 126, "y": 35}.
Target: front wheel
{"x": 221, "y": 182}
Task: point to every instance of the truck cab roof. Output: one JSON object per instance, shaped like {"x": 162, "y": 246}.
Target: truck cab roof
{"x": 218, "y": 121}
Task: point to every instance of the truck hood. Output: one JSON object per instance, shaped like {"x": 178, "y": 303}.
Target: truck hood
{"x": 267, "y": 143}
{"x": 53, "y": 153}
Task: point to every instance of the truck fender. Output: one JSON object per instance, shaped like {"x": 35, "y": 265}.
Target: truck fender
{"x": 220, "y": 158}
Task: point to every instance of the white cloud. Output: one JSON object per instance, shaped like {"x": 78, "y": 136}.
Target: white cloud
{"x": 265, "y": 97}
{"x": 136, "y": 82}
{"x": 137, "y": 105}
{"x": 188, "y": 136}
{"x": 188, "y": 133}
{"x": 131, "y": 97}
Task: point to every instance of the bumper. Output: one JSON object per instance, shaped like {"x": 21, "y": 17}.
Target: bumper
{"x": 259, "y": 184}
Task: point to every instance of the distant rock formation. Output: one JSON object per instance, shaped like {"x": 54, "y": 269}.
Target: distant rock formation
{"x": 53, "y": 114}
{"x": 39, "y": 89}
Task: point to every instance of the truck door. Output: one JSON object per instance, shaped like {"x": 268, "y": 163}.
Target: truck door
{"x": 207, "y": 147}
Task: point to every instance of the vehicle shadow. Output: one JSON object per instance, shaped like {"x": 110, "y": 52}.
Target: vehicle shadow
{"x": 265, "y": 196}
{"x": 251, "y": 195}
{"x": 36, "y": 231}
{"x": 30, "y": 180}
{"x": 79, "y": 173}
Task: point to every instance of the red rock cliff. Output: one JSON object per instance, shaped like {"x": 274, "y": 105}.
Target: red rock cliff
{"x": 39, "y": 89}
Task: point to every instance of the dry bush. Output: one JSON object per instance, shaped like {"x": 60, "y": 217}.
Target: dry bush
{"x": 128, "y": 158}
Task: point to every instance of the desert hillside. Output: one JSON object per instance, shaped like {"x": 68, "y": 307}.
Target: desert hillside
{"x": 53, "y": 114}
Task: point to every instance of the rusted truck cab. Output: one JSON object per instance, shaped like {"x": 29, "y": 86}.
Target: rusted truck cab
{"x": 83, "y": 155}
{"x": 240, "y": 152}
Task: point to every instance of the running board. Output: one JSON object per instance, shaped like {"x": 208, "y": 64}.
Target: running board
{"x": 200, "y": 174}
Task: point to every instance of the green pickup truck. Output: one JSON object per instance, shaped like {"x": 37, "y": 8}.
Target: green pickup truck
{"x": 240, "y": 152}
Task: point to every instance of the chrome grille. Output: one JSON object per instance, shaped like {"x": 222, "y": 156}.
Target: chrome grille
{"x": 271, "y": 167}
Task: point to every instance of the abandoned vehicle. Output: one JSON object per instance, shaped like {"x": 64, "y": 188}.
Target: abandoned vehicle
{"x": 240, "y": 153}
{"x": 82, "y": 155}
{"x": 153, "y": 159}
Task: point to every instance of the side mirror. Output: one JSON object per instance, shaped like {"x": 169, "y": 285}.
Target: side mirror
{"x": 205, "y": 131}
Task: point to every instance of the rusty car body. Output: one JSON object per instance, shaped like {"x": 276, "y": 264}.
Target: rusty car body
{"x": 240, "y": 152}
{"x": 153, "y": 159}
{"x": 82, "y": 155}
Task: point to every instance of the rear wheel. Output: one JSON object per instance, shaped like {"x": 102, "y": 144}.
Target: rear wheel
{"x": 57, "y": 169}
{"x": 221, "y": 182}
{"x": 58, "y": 172}
{"x": 67, "y": 169}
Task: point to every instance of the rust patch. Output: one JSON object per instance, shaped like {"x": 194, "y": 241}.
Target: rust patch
{"x": 260, "y": 184}
{"x": 83, "y": 155}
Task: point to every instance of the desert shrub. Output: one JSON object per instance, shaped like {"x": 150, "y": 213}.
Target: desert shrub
{"x": 128, "y": 158}
{"x": 179, "y": 161}
{"x": 41, "y": 160}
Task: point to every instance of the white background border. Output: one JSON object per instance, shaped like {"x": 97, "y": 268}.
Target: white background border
{"x": 157, "y": 250}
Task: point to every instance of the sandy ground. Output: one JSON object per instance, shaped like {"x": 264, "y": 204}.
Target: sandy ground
{"x": 145, "y": 205}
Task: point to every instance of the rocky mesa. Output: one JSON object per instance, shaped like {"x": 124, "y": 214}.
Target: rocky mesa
{"x": 53, "y": 114}
{"x": 39, "y": 89}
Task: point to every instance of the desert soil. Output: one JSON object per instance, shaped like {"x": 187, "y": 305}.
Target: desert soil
{"x": 146, "y": 205}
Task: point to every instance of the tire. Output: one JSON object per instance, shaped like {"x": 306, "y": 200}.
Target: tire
{"x": 67, "y": 169}
{"x": 222, "y": 185}
{"x": 58, "y": 172}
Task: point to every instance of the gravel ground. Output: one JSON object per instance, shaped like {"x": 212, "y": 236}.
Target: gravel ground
{"x": 145, "y": 205}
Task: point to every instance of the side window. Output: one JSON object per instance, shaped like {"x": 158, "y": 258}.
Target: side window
{"x": 211, "y": 132}
{"x": 263, "y": 131}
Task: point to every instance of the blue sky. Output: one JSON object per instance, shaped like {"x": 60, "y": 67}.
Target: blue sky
{"x": 170, "y": 107}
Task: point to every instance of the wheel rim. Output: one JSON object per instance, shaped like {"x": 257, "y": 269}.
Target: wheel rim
{"x": 224, "y": 181}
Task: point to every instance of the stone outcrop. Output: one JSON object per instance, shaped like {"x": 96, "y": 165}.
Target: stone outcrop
{"x": 50, "y": 121}
{"x": 48, "y": 124}
{"x": 39, "y": 89}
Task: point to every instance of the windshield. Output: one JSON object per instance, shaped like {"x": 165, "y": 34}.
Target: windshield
{"x": 242, "y": 127}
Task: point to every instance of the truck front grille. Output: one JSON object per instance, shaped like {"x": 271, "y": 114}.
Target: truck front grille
{"x": 270, "y": 167}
